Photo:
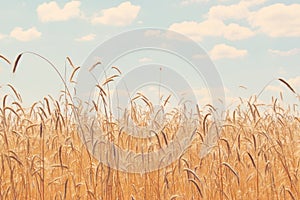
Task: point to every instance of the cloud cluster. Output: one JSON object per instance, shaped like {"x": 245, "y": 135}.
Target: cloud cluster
{"x": 25, "y": 35}
{"x": 48, "y": 12}
{"x": 277, "y": 20}
{"x": 214, "y": 24}
{"x": 238, "y": 21}
{"x": 225, "y": 51}
{"x": 241, "y": 21}
{"x": 122, "y": 15}
{"x": 22, "y": 35}
{"x": 212, "y": 27}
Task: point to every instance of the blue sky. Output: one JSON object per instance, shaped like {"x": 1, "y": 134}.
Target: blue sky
{"x": 250, "y": 41}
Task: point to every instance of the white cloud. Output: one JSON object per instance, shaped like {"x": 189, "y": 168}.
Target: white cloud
{"x": 291, "y": 52}
{"x": 86, "y": 38}
{"x": 234, "y": 11}
{"x": 25, "y": 35}
{"x": 197, "y": 31}
{"x": 214, "y": 24}
{"x": 145, "y": 59}
{"x": 122, "y": 15}
{"x": 211, "y": 27}
{"x": 277, "y": 20}
{"x": 237, "y": 32}
{"x": 52, "y": 12}
{"x": 224, "y": 51}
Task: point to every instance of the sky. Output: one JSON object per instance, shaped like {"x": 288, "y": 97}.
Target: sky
{"x": 251, "y": 42}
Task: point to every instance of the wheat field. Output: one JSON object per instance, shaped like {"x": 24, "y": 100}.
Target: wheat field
{"x": 42, "y": 156}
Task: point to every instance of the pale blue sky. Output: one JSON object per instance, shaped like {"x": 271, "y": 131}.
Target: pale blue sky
{"x": 250, "y": 41}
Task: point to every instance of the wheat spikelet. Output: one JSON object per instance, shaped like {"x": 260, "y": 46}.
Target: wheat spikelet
{"x": 5, "y": 59}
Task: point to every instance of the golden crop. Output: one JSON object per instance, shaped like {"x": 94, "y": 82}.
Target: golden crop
{"x": 42, "y": 157}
